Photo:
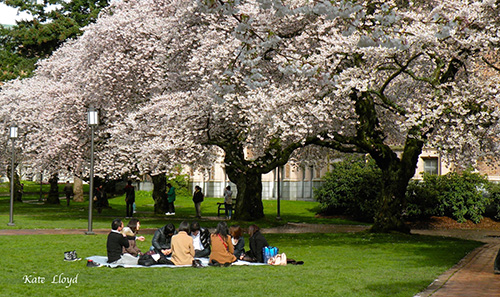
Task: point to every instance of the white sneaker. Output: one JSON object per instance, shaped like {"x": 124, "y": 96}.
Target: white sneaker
{"x": 167, "y": 213}
{"x": 172, "y": 214}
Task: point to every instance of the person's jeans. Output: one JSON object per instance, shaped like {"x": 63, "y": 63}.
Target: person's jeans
{"x": 197, "y": 207}
{"x": 229, "y": 209}
{"x": 130, "y": 210}
{"x": 171, "y": 208}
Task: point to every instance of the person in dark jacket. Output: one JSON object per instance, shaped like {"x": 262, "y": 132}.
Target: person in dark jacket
{"x": 237, "y": 240}
{"x": 68, "y": 191}
{"x": 129, "y": 199}
{"x": 201, "y": 240}
{"x": 256, "y": 242}
{"x": 100, "y": 198}
{"x": 162, "y": 239}
{"x": 115, "y": 244}
{"x": 198, "y": 199}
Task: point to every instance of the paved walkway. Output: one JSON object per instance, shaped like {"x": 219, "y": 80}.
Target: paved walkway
{"x": 472, "y": 277}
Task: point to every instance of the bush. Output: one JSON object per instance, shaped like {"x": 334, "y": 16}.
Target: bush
{"x": 459, "y": 196}
{"x": 493, "y": 209}
{"x": 180, "y": 183}
{"x": 351, "y": 189}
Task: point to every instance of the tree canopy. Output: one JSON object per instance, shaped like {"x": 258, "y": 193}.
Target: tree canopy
{"x": 260, "y": 81}
{"x": 52, "y": 24}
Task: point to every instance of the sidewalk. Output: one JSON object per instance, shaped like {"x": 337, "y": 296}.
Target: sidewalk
{"x": 473, "y": 276}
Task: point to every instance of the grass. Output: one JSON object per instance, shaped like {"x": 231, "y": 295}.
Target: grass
{"x": 342, "y": 264}
{"x": 32, "y": 214}
{"x": 359, "y": 264}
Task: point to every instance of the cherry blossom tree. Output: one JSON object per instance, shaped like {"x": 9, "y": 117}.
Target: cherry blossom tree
{"x": 259, "y": 82}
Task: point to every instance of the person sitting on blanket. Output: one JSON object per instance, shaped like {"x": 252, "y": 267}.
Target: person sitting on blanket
{"x": 222, "y": 248}
{"x": 182, "y": 246}
{"x": 201, "y": 240}
{"x": 132, "y": 248}
{"x": 134, "y": 224}
{"x": 237, "y": 240}
{"x": 256, "y": 243}
{"x": 115, "y": 243}
{"x": 162, "y": 239}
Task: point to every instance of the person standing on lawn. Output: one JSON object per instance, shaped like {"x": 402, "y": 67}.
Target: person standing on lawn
{"x": 68, "y": 191}
{"x": 228, "y": 202}
{"x": 100, "y": 198}
{"x": 198, "y": 199}
{"x": 170, "y": 199}
{"x": 129, "y": 199}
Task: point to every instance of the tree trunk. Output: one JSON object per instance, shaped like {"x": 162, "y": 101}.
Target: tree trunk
{"x": 18, "y": 188}
{"x": 249, "y": 198}
{"x": 77, "y": 189}
{"x": 159, "y": 189}
{"x": 391, "y": 203}
{"x": 396, "y": 174}
{"x": 53, "y": 197}
{"x": 17, "y": 184}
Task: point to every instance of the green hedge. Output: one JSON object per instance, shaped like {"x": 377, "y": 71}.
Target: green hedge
{"x": 351, "y": 189}
{"x": 352, "y": 186}
{"x": 459, "y": 196}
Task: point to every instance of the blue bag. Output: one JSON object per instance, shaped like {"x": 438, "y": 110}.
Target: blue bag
{"x": 269, "y": 252}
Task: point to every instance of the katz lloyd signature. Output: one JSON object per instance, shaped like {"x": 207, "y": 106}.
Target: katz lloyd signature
{"x": 59, "y": 279}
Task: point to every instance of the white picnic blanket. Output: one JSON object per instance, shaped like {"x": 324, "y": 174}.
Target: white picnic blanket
{"x": 102, "y": 260}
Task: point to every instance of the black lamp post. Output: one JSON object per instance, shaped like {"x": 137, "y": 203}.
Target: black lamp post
{"x": 278, "y": 214}
{"x": 13, "y": 136}
{"x": 93, "y": 121}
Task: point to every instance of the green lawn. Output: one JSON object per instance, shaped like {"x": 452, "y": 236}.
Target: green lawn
{"x": 32, "y": 214}
{"x": 360, "y": 264}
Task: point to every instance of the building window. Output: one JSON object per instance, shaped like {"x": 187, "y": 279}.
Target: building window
{"x": 431, "y": 165}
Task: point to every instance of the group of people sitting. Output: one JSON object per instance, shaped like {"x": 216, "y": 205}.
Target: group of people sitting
{"x": 184, "y": 245}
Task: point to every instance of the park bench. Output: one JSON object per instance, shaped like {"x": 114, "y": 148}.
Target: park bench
{"x": 221, "y": 207}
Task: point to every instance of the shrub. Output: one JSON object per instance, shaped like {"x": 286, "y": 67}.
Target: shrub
{"x": 351, "y": 189}
{"x": 180, "y": 183}
{"x": 459, "y": 196}
{"x": 493, "y": 192}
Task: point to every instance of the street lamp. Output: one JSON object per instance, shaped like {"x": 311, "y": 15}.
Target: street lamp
{"x": 12, "y": 135}
{"x": 278, "y": 216}
{"x": 93, "y": 121}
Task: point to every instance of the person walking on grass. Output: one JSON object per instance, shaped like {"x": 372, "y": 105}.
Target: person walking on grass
{"x": 198, "y": 199}
{"x": 170, "y": 199}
